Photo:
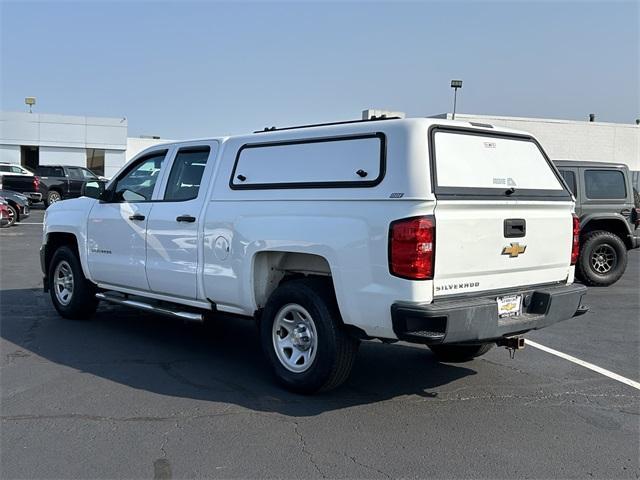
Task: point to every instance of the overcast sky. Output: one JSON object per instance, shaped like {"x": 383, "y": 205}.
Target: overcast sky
{"x": 194, "y": 69}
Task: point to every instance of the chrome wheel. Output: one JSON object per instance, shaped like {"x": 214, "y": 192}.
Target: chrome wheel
{"x": 294, "y": 338}
{"x": 603, "y": 259}
{"x": 54, "y": 197}
{"x": 63, "y": 282}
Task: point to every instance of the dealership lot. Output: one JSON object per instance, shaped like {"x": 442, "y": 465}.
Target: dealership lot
{"x": 133, "y": 395}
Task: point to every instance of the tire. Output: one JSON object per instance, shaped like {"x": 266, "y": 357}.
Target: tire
{"x": 459, "y": 353}
{"x": 52, "y": 197}
{"x": 13, "y": 215}
{"x": 603, "y": 259}
{"x": 328, "y": 352}
{"x": 81, "y": 302}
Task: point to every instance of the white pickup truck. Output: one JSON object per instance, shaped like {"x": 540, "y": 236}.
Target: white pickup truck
{"x": 451, "y": 234}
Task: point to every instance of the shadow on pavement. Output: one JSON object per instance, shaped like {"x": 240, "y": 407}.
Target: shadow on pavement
{"x": 160, "y": 355}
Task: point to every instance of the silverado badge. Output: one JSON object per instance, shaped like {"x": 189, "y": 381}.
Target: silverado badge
{"x": 514, "y": 250}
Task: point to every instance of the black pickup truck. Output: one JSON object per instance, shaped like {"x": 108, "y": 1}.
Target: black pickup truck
{"x": 51, "y": 183}
{"x": 609, "y": 211}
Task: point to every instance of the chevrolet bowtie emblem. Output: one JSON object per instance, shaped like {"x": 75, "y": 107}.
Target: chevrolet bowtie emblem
{"x": 514, "y": 250}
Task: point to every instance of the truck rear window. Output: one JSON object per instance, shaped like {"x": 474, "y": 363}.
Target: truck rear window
{"x": 349, "y": 161}
{"x": 474, "y": 163}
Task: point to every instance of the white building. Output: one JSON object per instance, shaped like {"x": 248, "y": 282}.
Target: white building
{"x": 99, "y": 143}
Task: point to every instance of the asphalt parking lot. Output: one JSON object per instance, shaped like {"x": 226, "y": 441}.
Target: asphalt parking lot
{"x": 132, "y": 395}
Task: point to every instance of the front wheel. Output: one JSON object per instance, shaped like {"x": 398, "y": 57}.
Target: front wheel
{"x": 303, "y": 338}
{"x": 73, "y": 296}
{"x": 459, "y": 353}
{"x": 13, "y": 215}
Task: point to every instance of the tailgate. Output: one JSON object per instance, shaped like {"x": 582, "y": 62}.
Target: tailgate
{"x": 474, "y": 254}
{"x": 503, "y": 214}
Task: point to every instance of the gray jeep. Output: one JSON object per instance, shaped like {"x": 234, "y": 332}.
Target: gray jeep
{"x": 609, "y": 211}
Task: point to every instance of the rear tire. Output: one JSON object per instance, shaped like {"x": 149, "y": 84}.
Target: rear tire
{"x": 603, "y": 259}
{"x": 303, "y": 338}
{"x": 73, "y": 296}
{"x": 459, "y": 353}
{"x": 52, "y": 197}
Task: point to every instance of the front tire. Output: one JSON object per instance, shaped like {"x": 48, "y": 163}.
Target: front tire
{"x": 603, "y": 259}
{"x": 73, "y": 296}
{"x": 303, "y": 339}
{"x": 13, "y": 215}
{"x": 459, "y": 353}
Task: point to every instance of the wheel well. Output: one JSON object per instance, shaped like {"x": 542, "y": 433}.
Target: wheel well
{"x": 617, "y": 227}
{"x": 56, "y": 240}
{"x": 271, "y": 269}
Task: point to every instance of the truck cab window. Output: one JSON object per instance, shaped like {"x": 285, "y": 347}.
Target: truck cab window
{"x": 186, "y": 174}
{"x": 570, "y": 179}
{"x": 604, "y": 184}
{"x": 138, "y": 182}
{"x": 75, "y": 174}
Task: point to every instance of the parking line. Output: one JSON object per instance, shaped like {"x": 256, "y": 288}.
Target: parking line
{"x": 32, "y": 223}
{"x": 590, "y": 366}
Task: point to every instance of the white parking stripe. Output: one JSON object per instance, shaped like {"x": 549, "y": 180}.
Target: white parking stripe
{"x": 27, "y": 223}
{"x": 590, "y": 366}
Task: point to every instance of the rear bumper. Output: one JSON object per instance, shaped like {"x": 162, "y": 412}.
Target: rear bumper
{"x": 475, "y": 319}
{"x": 33, "y": 196}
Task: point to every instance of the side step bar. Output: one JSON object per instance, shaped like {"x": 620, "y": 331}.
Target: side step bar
{"x": 149, "y": 307}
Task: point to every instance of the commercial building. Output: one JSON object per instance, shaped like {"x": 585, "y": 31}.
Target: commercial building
{"x": 99, "y": 143}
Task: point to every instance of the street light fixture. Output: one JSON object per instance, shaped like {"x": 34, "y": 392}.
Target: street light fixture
{"x": 31, "y": 101}
{"x": 455, "y": 84}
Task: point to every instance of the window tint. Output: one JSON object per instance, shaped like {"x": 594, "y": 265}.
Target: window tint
{"x": 50, "y": 171}
{"x": 5, "y": 168}
{"x": 604, "y": 184}
{"x": 138, "y": 181}
{"x": 17, "y": 170}
{"x": 570, "y": 179}
{"x": 186, "y": 173}
{"x": 87, "y": 174}
{"x": 75, "y": 174}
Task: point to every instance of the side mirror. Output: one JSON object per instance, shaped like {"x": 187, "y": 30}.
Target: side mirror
{"x": 93, "y": 189}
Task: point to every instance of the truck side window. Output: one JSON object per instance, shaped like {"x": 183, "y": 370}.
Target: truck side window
{"x": 138, "y": 182}
{"x": 75, "y": 174}
{"x": 604, "y": 184}
{"x": 186, "y": 174}
{"x": 570, "y": 179}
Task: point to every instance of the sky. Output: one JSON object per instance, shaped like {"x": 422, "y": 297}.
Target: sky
{"x": 183, "y": 69}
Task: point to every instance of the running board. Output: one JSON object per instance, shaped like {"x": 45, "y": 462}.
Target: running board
{"x": 188, "y": 316}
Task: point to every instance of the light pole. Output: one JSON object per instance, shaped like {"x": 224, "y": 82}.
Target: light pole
{"x": 31, "y": 101}
{"x": 455, "y": 84}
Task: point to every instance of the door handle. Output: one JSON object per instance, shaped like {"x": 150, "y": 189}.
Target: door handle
{"x": 186, "y": 218}
{"x": 136, "y": 216}
{"x": 515, "y": 228}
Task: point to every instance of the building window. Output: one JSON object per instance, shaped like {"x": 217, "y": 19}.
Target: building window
{"x": 95, "y": 160}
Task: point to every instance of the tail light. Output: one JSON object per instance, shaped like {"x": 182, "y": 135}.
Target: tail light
{"x": 412, "y": 244}
{"x": 36, "y": 184}
{"x": 575, "y": 247}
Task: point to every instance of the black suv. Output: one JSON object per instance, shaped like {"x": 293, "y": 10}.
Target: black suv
{"x": 609, "y": 212}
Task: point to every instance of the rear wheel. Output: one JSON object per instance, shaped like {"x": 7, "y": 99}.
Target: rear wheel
{"x": 460, "y": 353}
{"x": 303, "y": 338}
{"x": 73, "y": 296}
{"x": 52, "y": 197}
{"x": 603, "y": 259}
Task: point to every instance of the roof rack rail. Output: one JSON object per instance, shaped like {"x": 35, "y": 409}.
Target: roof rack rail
{"x": 372, "y": 119}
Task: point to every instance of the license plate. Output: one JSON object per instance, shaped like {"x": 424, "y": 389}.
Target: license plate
{"x": 510, "y": 306}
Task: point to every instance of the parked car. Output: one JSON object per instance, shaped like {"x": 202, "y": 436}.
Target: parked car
{"x": 17, "y": 204}
{"x": 14, "y": 169}
{"x": 29, "y": 186}
{"x": 395, "y": 229}
{"x": 62, "y": 181}
{"x": 4, "y": 214}
{"x": 609, "y": 218}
